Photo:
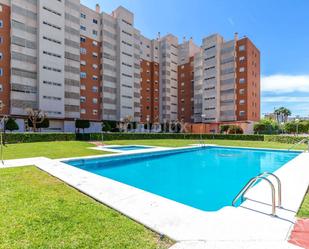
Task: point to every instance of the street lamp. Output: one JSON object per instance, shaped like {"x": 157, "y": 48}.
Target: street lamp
{"x": 297, "y": 123}
{"x": 2, "y": 125}
{"x": 282, "y": 125}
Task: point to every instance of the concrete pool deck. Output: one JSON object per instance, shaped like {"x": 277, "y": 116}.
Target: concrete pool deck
{"x": 247, "y": 226}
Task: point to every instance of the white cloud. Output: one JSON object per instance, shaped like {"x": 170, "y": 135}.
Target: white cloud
{"x": 281, "y": 83}
{"x": 231, "y": 21}
{"x": 285, "y": 99}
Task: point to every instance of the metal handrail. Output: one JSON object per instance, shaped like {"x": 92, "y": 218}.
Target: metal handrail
{"x": 300, "y": 142}
{"x": 250, "y": 184}
{"x": 279, "y": 186}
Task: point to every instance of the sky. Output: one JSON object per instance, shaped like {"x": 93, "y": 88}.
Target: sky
{"x": 280, "y": 29}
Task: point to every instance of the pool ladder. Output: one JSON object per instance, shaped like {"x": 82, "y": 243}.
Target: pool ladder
{"x": 263, "y": 176}
{"x": 304, "y": 141}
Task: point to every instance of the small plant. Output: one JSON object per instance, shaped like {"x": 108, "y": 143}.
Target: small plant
{"x": 82, "y": 124}
{"x": 11, "y": 125}
{"x": 235, "y": 129}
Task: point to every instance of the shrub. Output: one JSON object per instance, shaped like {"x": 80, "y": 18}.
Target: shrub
{"x": 38, "y": 137}
{"x": 283, "y": 139}
{"x": 44, "y": 124}
{"x": 82, "y": 124}
{"x": 11, "y": 125}
{"x": 235, "y": 129}
{"x": 266, "y": 126}
{"x": 224, "y": 128}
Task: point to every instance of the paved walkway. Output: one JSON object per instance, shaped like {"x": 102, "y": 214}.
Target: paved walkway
{"x": 300, "y": 233}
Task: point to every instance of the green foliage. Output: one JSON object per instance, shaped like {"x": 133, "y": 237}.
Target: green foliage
{"x": 44, "y": 124}
{"x": 293, "y": 127}
{"x": 82, "y": 124}
{"x": 224, "y": 128}
{"x": 38, "y": 137}
{"x": 235, "y": 129}
{"x": 266, "y": 126}
{"x": 283, "y": 139}
{"x": 282, "y": 114}
{"x": 11, "y": 125}
{"x": 138, "y": 136}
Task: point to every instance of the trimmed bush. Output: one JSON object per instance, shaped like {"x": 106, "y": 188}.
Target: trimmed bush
{"x": 138, "y": 136}
{"x": 82, "y": 124}
{"x": 283, "y": 139}
{"x": 11, "y": 125}
{"x": 38, "y": 137}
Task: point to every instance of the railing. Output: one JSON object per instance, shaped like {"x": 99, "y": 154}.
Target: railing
{"x": 263, "y": 176}
{"x": 303, "y": 141}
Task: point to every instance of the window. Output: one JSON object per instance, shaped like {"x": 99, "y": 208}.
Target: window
{"x": 242, "y": 91}
{"x": 82, "y": 111}
{"x": 95, "y": 43}
{"x": 94, "y": 77}
{"x": 241, "y": 101}
{"x": 241, "y": 58}
{"x": 94, "y": 54}
{"x": 242, "y": 48}
{"x": 94, "y": 112}
{"x": 1, "y": 71}
{"x": 1, "y": 88}
{"x": 242, "y": 113}
{"x": 82, "y": 99}
{"x": 94, "y": 32}
{"x": 83, "y": 75}
{"x": 94, "y": 100}
{"x": 95, "y": 89}
{"x": 241, "y": 80}
{"x": 82, "y": 15}
{"x": 95, "y": 21}
{"x": 1, "y": 23}
{"x": 1, "y": 56}
{"x": 82, "y": 87}
{"x": 83, "y": 63}
{"x": 1, "y": 39}
{"x": 82, "y": 27}
{"x": 83, "y": 50}
{"x": 241, "y": 69}
{"x": 94, "y": 66}
{"x": 82, "y": 39}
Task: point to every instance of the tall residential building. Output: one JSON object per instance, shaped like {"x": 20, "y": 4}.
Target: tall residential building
{"x": 227, "y": 83}
{"x": 73, "y": 62}
{"x": 186, "y": 52}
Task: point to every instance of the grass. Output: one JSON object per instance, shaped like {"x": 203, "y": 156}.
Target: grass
{"x": 39, "y": 211}
{"x": 185, "y": 142}
{"x": 50, "y": 149}
{"x": 304, "y": 210}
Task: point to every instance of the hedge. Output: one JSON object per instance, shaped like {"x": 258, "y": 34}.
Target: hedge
{"x": 283, "y": 139}
{"x": 37, "y": 137}
{"x": 137, "y": 136}
{"x": 46, "y": 137}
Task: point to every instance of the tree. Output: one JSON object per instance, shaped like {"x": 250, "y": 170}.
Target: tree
{"x": 235, "y": 129}
{"x": 44, "y": 124}
{"x": 282, "y": 114}
{"x": 290, "y": 127}
{"x": 82, "y": 124}
{"x": 266, "y": 126}
{"x": 106, "y": 126}
{"x": 11, "y": 125}
{"x": 35, "y": 116}
{"x": 224, "y": 128}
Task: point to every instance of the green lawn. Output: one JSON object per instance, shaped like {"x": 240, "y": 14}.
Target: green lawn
{"x": 50, "y": 150}
{"x": 185, "y": 142}
{"x": 304, "y": 210}
{"x": 39, "y": 211}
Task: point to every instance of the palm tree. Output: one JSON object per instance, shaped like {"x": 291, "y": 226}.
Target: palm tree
{"x": 282, "y": 114}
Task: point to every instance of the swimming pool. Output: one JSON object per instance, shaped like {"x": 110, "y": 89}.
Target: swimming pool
{"x": 129, "y": 147}
{"x": 205, "y": 178}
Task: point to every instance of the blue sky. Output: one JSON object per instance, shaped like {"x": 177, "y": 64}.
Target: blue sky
{"x": 280, "y": 29}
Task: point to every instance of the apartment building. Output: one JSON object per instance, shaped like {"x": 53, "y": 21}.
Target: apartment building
{"x": 149, "y": 91}
{"x": 186, "y": 52}
{"x": 226, "y": 82}
{"x": 74, "y": 62}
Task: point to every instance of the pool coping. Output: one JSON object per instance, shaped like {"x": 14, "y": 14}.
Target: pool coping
{"x": 183, "y": 223}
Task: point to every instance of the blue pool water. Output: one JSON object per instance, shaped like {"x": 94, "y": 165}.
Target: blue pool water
{"x": 205, "y": 178}
{"x": 129, "y": 147}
